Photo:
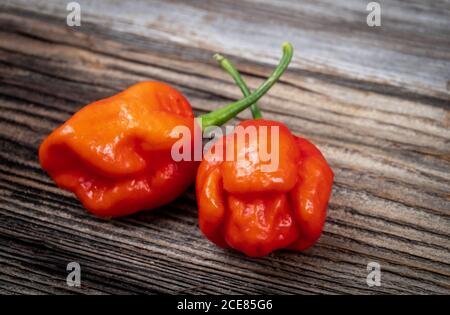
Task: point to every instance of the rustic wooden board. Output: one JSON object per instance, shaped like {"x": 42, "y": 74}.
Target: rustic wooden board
{"x": 375, "y": 100}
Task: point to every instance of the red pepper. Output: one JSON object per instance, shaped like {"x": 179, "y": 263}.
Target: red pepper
{"x": 115, "y": 154}
{"x": 244, "y": 207}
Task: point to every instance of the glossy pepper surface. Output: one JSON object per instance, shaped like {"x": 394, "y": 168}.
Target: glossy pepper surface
{"x": 115, "y": 154}
{"x": 244, "y": 207}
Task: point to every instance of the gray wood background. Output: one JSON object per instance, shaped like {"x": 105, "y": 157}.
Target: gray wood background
{"x": 374, "y": 99}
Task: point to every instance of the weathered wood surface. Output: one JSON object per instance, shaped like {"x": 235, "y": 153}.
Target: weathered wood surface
{"x": 375, "y": 100}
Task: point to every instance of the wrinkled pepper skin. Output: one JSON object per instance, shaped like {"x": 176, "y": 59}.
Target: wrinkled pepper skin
{"x": 257, "y": 212}
{"x": 115, "y": 154}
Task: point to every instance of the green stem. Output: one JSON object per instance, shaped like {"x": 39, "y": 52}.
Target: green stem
{"x": 234, "y": 73}
{"x": 222, "y": 115}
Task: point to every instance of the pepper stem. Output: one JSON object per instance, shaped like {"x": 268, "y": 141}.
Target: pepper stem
{"x": 234, "y": 73}
{"x": 224, "y": 114}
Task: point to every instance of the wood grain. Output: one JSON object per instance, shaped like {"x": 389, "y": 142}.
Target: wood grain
{"x": 376, "y": 102}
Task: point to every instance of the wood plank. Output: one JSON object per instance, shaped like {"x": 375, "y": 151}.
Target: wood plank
{"x": 332, "y": 36}
{"x": 385, "y": 131}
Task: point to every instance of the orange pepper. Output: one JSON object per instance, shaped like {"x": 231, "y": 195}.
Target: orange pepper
{"x": 114, "y": 154}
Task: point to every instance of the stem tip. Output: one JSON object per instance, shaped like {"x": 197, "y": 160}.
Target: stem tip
{"x": 218, "y": 57}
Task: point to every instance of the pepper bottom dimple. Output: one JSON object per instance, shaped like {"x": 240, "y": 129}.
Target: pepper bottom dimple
{"x": 259, "y": 224}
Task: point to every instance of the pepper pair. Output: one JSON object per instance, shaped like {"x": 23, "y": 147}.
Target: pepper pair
{"x": 115, "y": 155}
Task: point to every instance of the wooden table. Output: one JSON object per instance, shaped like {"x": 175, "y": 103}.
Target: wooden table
{"x": 374, "y": 99}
